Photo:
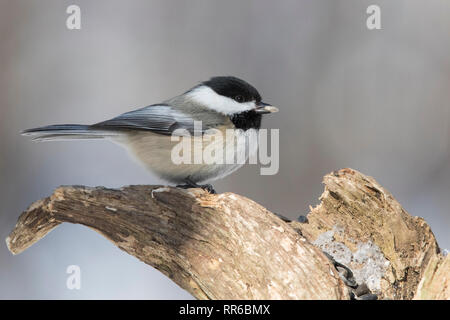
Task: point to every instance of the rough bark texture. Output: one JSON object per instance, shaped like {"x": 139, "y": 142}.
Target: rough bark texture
{"x": 228, "y": 247}
{"x": 214, "y": 246}
{"x": 435, "y": 283}
{"x": 362, "y": 226}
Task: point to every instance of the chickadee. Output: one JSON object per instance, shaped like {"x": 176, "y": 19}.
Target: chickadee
{"x": 220, "y": 103}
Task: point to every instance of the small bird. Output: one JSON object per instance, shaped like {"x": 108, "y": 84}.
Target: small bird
{"x": 220, "y": 103}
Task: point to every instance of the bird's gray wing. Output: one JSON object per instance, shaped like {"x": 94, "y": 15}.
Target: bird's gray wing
{"x": 159, "y": 118}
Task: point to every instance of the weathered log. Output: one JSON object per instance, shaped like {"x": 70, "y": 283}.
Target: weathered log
{"x": 214, "y": 246}
{"x": 228, "y": 247}
{"x": 362, "y": 226}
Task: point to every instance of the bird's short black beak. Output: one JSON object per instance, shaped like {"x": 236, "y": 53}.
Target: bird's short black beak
{"x": 263, "y": 108}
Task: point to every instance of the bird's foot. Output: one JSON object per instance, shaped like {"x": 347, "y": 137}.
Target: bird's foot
{"x": 208, "y": 188}
{"x": 190, "y": 184}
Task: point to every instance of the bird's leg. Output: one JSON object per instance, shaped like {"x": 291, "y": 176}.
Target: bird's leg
{"x": 192, "y": 184}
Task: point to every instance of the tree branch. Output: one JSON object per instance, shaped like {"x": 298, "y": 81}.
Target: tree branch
{"x": 228, "y": 247}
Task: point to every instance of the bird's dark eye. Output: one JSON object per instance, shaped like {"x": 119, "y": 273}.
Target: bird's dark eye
{"x": 239, "y": 98}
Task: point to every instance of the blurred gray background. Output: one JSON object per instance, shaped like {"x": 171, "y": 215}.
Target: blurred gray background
{"x": 376, "y": 101}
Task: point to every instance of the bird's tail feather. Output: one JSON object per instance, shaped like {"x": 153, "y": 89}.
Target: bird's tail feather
{"x": 67, "y": 132}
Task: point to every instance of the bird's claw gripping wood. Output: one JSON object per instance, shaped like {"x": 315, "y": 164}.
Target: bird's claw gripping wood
{"x": 190, "y": 184}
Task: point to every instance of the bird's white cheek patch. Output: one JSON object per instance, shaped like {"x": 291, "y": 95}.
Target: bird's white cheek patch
{"x": 208, "y": 97}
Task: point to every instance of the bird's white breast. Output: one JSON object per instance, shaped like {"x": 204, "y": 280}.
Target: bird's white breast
{"x": 155, "y": 152}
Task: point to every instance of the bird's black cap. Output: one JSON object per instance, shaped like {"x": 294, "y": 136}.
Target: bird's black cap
{"x": 233, "y": 88}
